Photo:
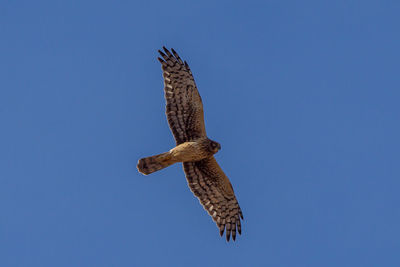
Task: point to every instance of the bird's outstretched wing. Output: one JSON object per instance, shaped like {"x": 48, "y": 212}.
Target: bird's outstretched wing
{"x": 184, "y": 108}
{"x": 212, "y": 187}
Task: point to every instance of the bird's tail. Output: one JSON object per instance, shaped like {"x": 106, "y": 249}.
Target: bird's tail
{"x": 154, "y": 163}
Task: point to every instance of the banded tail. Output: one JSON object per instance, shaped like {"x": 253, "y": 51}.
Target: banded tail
{"x": 154, "y": 163}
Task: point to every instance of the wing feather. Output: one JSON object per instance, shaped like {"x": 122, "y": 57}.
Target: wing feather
{"x": 213, "y": 189}
{"x": 184, "y": 108}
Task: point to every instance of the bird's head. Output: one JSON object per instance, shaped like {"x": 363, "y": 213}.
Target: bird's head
{"x": 214, "y": 146}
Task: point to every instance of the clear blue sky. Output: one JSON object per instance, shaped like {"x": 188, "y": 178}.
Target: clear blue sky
{"x": 302, "y": 95}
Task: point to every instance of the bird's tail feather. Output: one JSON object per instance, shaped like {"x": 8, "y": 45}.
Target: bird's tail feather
{"x": 154, "y": 163}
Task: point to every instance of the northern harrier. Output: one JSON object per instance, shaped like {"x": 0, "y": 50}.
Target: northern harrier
{"x": 194, "y": 149}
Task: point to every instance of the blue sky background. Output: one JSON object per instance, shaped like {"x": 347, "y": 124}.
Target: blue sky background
{"x": 302, "y": 95}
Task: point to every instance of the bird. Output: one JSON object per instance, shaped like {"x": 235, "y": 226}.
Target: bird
{"x": 205, "y": 178}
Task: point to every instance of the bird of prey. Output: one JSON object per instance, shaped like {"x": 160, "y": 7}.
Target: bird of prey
{"x": 207, "y": 181}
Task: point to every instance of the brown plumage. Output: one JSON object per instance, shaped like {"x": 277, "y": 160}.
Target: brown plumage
{"x": 207, "y": 181}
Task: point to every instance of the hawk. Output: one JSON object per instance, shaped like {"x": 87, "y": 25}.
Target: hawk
{"x": 207, "y": 181}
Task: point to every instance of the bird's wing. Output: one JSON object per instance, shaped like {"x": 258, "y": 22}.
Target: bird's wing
{"x": 184, "y": 108}
{"x": 212, "y": 187}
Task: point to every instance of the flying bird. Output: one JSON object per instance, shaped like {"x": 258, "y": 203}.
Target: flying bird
{"x": 207, "y": 181}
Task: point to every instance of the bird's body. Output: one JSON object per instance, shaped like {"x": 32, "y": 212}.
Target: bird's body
{"x": 184, "y": 110}
{"x": 195, "y": 150}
